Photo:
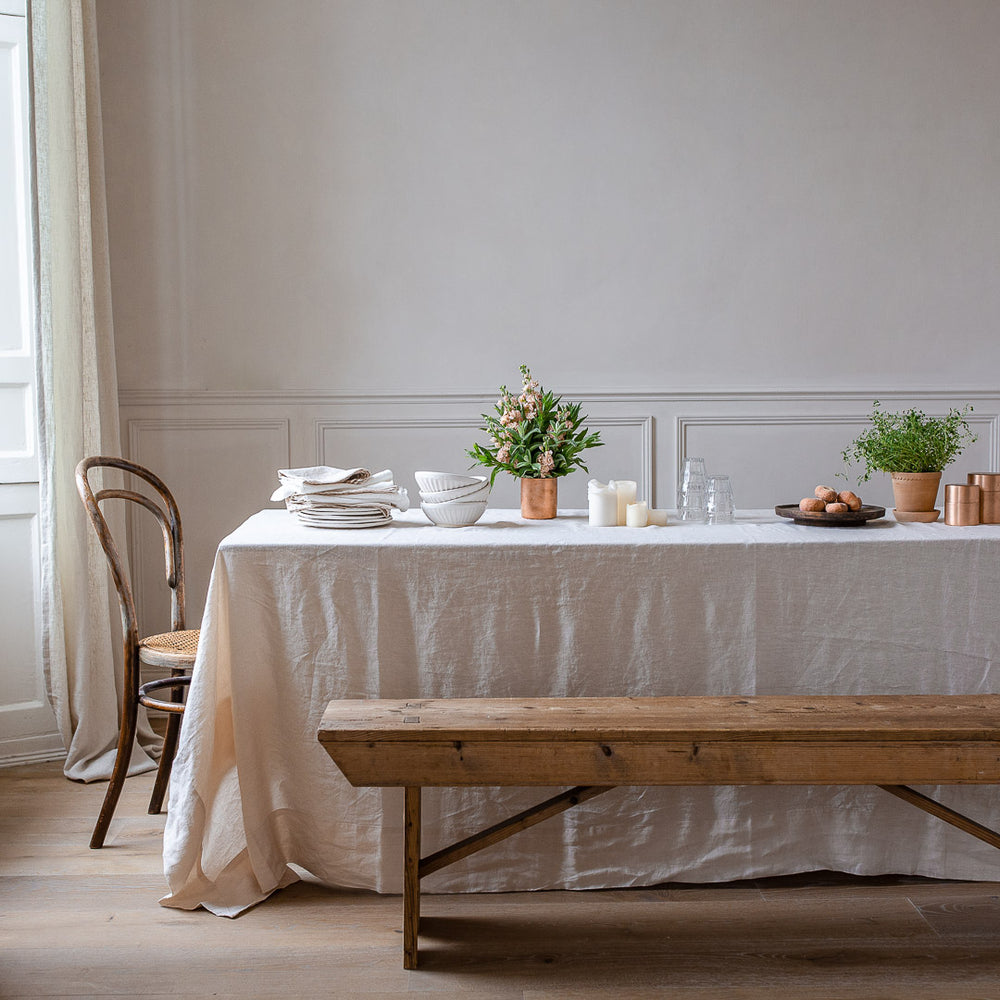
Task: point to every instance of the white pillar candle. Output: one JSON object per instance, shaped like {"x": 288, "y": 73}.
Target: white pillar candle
{"x": 658, "y": 517}
{"x": 603, "y": 503}
{"x": 625, "y": 488}
{"x": 636, "y": 515}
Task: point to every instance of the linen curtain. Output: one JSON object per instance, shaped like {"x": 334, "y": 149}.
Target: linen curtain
{"x": 78, "y": 386}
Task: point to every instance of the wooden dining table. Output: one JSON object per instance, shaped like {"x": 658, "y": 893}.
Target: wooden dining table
{"x": 297, "y": 616}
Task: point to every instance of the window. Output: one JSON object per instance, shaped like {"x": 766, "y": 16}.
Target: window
{"x": 18, "y": 454}
{"x": 27, "y": 725}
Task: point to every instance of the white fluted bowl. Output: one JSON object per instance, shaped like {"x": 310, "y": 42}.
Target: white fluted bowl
{"x": 467, "y": 493}
{"x": 456, "y": 514}
{"x": 435, "y": 482}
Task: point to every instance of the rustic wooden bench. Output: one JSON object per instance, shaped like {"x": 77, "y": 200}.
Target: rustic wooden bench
{"x": 596, "y": 744}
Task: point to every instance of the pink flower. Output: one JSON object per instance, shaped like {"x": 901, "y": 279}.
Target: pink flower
{"x": 546, "y": 463}
{"x": 504, "y": 453}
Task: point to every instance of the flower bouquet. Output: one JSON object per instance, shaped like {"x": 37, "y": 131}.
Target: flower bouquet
{"x": 536, "y": 437}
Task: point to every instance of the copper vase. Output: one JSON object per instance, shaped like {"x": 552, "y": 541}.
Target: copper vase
{"x": 538, "y": 498}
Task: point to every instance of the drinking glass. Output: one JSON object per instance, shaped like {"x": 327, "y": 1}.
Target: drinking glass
{"x": 691, "y": 490}
{"x": 720, "y": 507}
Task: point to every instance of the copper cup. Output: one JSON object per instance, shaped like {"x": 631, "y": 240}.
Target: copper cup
{"x": 989, "y": 496}
{"x": 961, "y": 503}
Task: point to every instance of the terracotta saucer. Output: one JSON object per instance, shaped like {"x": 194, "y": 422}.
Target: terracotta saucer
{"x": 927, "y": 516}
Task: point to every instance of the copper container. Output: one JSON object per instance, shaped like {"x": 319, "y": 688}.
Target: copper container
{"x": 538, "y": 498}
{"x": 961, "y": 503}
{"x": 989, "y": 497}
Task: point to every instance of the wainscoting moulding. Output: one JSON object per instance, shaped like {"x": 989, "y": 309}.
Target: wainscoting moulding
{"x": 987, "y": 424}
{"x": 136, "y": 427}
{"x": 680, "y": 410}
{"x": 132, "y": 398}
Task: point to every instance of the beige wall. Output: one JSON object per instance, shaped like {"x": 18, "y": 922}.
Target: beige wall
{"x": 728, "y": 224}
{"x": 364, "y": 193}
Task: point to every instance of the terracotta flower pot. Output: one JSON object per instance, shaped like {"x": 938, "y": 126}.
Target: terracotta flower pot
{"x": 538, "y": 498}
{"x": 915, "y": 494}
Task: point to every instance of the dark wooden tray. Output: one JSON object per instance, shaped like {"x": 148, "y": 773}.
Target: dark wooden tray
{"x": 852, "y": 519}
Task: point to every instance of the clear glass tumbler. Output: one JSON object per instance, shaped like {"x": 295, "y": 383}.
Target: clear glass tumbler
{"x": 720, "y": 507}
{"x": 691, "y": 490}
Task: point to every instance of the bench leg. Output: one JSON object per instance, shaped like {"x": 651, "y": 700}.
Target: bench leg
{"x": 411, "y": 876}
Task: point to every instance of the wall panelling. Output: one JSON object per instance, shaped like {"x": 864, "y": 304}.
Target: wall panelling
{"x": 219, "y": 452}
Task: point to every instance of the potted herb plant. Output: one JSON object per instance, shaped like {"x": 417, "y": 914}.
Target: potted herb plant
{"x": 914, "y": 449}
{"x": 537, "y": 438}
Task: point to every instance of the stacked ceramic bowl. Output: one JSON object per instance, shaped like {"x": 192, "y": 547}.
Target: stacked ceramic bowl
{"x": 451, "y": 500}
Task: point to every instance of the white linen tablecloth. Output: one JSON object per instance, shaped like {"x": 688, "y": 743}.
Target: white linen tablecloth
{"x": 297, "y": 616}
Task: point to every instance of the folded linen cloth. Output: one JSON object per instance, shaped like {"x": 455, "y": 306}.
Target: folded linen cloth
{"x": 350, "y": 498}
{"x": 321, "y": 478}
{"x": 349, "y": 508}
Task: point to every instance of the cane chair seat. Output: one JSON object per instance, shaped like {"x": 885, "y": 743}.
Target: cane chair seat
{"x": 176, "y": 650}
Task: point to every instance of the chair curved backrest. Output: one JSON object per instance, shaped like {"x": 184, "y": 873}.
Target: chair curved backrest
{"x": 168, "y": 517}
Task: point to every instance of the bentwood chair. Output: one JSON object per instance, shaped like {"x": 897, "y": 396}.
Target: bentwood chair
{"x": 174, "y": 650}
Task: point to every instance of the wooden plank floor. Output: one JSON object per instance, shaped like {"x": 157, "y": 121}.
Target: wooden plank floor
{"x": 81, "y": 923}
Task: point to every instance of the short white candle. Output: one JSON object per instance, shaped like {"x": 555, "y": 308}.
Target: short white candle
{"x": 657, "y": 517}
{"x": 625, "y": 488}
{"x": 603, "y": 504}
{"x": 636, "y": 515}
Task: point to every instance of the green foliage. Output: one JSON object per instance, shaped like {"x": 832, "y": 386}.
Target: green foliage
{"x": 909, "y": 441}
{"x": 534, "y": 435}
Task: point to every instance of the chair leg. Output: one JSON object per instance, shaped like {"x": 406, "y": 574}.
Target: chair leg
{"x": 126, "y": 737}
{"x": 167, "y": 754}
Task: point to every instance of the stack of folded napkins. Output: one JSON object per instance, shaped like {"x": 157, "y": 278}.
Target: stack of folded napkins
{"x": 340, "y": 498}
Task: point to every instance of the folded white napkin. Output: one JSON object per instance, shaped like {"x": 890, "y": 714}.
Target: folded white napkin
{"x": 324, "y": 478}
{"x": 321, "y": 501}
{"x": 338, "y": 516}
{"x": 334, "y": 507}
{"x": 323, "y": 496}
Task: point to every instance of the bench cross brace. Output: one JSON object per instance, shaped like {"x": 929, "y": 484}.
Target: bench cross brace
{"x": 508, "y": 827}
{"x": 942, "y": 812}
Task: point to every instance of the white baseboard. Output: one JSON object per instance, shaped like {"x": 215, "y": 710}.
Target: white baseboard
{"x": 40, "y": 756}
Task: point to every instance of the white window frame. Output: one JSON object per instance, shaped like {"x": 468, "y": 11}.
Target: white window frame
{"x": 18, "y": 458}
